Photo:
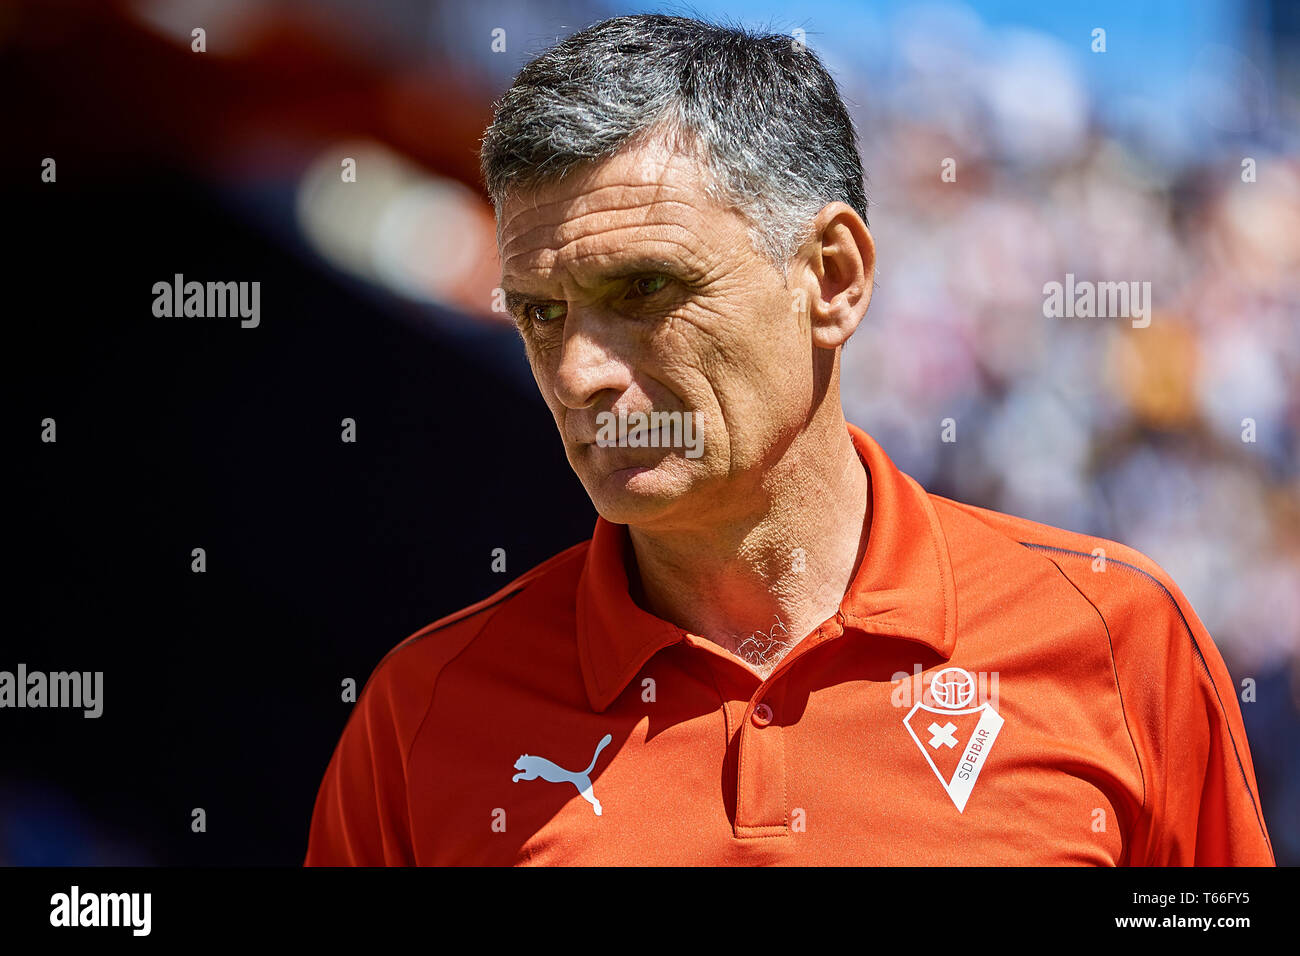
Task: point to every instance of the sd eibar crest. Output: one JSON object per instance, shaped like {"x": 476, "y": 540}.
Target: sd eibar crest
{"x": 954, "y": 737}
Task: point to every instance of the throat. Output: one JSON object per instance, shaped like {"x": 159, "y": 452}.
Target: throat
{"x": 763, "y": 650}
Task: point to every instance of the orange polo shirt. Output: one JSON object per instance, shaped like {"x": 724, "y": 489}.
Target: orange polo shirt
{"x": 991, "y": 691}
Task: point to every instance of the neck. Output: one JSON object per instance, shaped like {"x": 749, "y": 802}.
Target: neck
{"x": 758, "y": 581}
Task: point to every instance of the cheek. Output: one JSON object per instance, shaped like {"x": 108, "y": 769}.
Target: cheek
{"x": 745, "y": 351}
{"x": 756, "y": 368}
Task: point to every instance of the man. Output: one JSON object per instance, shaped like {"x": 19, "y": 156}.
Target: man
{"x": 776, "y": 648}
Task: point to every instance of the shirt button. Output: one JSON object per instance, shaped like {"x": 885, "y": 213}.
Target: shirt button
{"x": 762, "y": 715}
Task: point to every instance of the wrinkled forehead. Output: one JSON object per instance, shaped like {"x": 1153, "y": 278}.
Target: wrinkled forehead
{"x": 648, "y": 195}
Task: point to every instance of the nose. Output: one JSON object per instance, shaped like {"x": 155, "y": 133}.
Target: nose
{"x": 587, "y": 366}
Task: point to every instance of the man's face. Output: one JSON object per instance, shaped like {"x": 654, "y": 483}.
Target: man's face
{"x": 634, "y": 292}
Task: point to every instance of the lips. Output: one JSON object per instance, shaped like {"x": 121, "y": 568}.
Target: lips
{"x": 609, "y": 459}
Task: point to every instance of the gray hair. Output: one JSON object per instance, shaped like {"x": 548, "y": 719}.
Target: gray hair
{"x": 759, "y": 110}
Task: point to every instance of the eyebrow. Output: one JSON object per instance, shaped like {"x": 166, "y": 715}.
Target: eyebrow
{"x": 515, "y": 298}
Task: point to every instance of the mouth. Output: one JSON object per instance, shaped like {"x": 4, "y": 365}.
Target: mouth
{"x": 621, "y": 465}
{"x": 633, "y": 445}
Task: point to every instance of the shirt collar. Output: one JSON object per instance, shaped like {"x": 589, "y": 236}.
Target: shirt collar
{"x": 903, "y": 588}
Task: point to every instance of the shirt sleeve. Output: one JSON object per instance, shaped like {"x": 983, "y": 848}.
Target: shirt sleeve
{"x": 1201, "y": 804}
{"x": 361, "y": 814}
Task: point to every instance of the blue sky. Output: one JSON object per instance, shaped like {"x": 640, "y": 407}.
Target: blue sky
{"x": 1153, "y": 46}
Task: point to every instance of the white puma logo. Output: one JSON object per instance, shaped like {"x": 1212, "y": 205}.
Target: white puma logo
{"x": 534, "y": 767}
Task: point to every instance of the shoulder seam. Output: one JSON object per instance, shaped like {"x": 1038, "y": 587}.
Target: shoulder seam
{"x": 1119, "y": 689}
{"x": 428, "y": 709}
{"x": 456, "y": 618}
{"x": 488, "y": 606}
{"x": 1199, "y": 656}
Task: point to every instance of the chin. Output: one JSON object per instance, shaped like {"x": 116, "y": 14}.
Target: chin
{"x": 635, "y": 495}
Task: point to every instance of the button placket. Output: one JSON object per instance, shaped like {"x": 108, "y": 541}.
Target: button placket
{"x": 761, "y": 798}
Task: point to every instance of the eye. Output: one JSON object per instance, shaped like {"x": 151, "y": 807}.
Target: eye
{"x": 647, "y": 286}
{"x": 543, "y": 313}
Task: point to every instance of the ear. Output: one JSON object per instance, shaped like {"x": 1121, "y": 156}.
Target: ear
{"x": 834, "y": 273}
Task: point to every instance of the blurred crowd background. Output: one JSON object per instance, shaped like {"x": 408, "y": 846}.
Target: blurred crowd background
{"x": 1181, "y": 439}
